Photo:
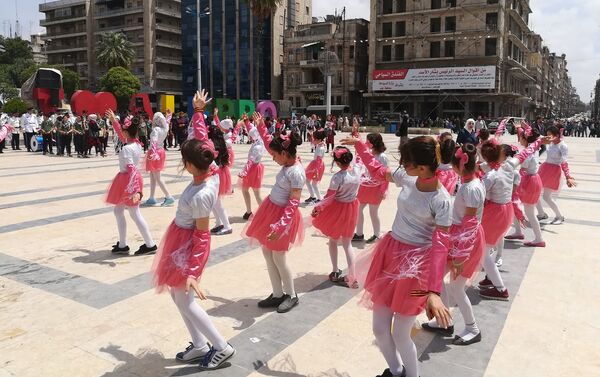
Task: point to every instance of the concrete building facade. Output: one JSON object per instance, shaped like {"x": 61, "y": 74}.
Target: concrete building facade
{"x": 304, "y": 45}
{"x": 74, "y": 28}
{"x": 456, "y": 40}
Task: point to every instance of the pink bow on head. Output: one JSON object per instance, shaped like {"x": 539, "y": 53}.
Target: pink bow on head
{"x": 464, "y": 158}
{"x": 514, "y": 148}
{"x": 209, "y": 145}
{"x": 127, "y": 123}
{"x": 285, "y": 141}
{"x": 493, "y": 141}
{"x": 339, "y": 152}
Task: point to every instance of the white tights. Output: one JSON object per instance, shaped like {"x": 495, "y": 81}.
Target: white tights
{"x": 490, "y": 268}
{"x": 547, "y": 196}
{"x": 220, "y": 215}
{"x": 279, "y": 273}
{"x": 246, "y": 194}
{"x": 154, "y": 180}
{"x": 374, "y": 213}
{"x": 333, "y": 253}
{"x": 137, "y": 217}
{"x": 395, "y": 342}
{"x": 197, "y": 321}
{"x": 313, "y": 189}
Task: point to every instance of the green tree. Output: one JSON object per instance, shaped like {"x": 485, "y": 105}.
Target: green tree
{"x": 8, "y": 92}
{"x": 122, "y": 83}
{"x": 15, "y": 105}
{"x": 114, "y": 50}
{"x": 14, "y": 49}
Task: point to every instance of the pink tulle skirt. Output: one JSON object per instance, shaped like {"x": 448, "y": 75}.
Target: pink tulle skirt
{"x": 550, "y": 175}
{"x": 259, "y": 227}
{"x": 496, "y": 220}
{"x": 530, "y": 188}
{"x": 472, "y": 264}
{"x": 117, "y": 191}
{"x": 314, "y": 170}
{"x": 225, "y": 186}
{"x": 170, "y": 263}
{"x": 156, "y": 165}
{"x": 338, "y": 219}
{"x": 395, "y": 270}
{"x": 254, "y": 177}
{"x": 449, "y": 179}
{"x": 231, "y": 155}
{"x": 369, "y": 194}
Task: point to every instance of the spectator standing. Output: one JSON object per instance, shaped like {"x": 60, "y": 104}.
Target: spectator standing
{"x": 14, "y": 121}
{"x": 30, "y": 125}
{"x": 402, "y": 131}
{"x": 468, "y": 134}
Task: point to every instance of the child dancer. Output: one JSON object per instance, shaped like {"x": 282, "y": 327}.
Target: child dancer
{"x": 125, "y": 191}
{"x": 407, "y": 266}
{"x": 467, "y": 244}
{"x": 277, "y": 224}
{"x": 372, "y": 192}
{"x": 336, "y": 215}
{"x": 252, "y": 174}
{"x": 5, "y": 129}
{"x": 222, "y": 160}
{"x": 550, "y": 174}
{"x": 498, "y": 211}
{"x": 445, "y": 173}
{"x": 229, "y": 133}
{"x": 185, "y": 249}
{"x": 316, "y": 168}
{"x": 156, "y": 158}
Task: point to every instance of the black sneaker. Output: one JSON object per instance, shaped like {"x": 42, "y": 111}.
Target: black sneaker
{"x": 388, "y": 373}
{"x": 271, "y": 302}
{"x": 439, "y": 330}
{"x": 334, "y": 277}
{"x": 215, "y": 359}
{"x": 143, "y": 250}
{"x": 288, "y": 304}
{"x": 372, "y": 239}
{"x": 120, "y": 250}
{"x": 247, "y": 215}
{"x": 358, "y": 238}
{"x": 309, "y": 200}
{"x": 216, "y": 229}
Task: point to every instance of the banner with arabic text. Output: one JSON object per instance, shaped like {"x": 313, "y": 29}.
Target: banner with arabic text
{"x": 478, "y": 77}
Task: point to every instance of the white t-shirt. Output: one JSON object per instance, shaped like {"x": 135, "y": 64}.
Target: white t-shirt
{"x": 530, "y": 166}
{"x": 288, "y": 178}
{"x": 257, "y": 150}
{"x": 557, "y": 153}
{"x": 346, "y": 184}
{"x": 158, "y": 134}
{"x": 499, "y": 183}
{"x": 196, "y": 202}
{"x": 320, "y": 151}
{"x": 419, "y": 212}
{"x": 129, "y": 155}
{"x": 469, "y": 195}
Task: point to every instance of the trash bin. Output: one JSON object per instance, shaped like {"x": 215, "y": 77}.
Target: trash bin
{"x": 393, "y": 127}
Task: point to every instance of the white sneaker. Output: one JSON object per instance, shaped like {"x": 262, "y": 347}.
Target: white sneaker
{"x": 499, "y": 262}
{"x": 215, "y": 359}
{"x": 193, "y": 354}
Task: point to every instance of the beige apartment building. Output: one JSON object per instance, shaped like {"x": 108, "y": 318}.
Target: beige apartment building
{"x": 304, "y": 46}
{"x": 461, "y": 58}
{"x": 74, "y": 27}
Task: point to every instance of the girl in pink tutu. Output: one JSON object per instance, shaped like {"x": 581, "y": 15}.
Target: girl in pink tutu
{"x": 529, "y": 190}
{"x": 316, "y": 168}
{"x": 125, "y": 191}
{"x": 445, "y": 173}
{"x": 230, "y": 133}
{"x": 222, "y": 161}
{"x": 371, "y": 192}
{"x": 467, "y": 245}
{"x": 5, "y": 129}
{"x": 550, "y": 174}
{"x": 406, "y": 268}
{"x": 252, "y": 174}
{"x": 335, "y": 216}
{"x": 277, "y": 224}
{"x": 185, "y": 248}
{"x": 156, "y": 158}
{"x": 499, "y": 179}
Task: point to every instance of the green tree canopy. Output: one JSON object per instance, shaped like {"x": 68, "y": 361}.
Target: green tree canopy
{"x": 15, "y": 105}
{"x": 14, "y": 49}
{"x": 114, "y": 50}
{"x": 122, "y": 83}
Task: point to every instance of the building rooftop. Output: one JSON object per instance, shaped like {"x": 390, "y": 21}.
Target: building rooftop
{"x": 46, "y": 7}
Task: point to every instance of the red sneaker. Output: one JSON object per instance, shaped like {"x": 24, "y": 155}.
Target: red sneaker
{"x": 514, "y": 237}
{"x": 485, "y": 283}
{"x": 494, "y": 294}
{"x": 535, "y": 244}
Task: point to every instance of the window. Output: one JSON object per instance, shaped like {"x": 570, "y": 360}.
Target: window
{"x": 435, "y": 25}
{"x": 490, "y": 47}
{"x": 450, "y": 24}
{"x": 434, "y": 49}
{"x": 491, "y": 21}
{"x": 451, "y": 3}
{"x": 449, "y": 50}
{"x": 400, "y": 28}
{"x": 436, "y": 4}
{"x": 386, "y": 29}
{"x": 492, "y": 1}
{"x": 400, "y": 6}
{"x": 386, "y": 54}
{"x": 351, "y": 52}
{"x": 387, "y": 7}
{"x": 308, "y": 11}
{"x": 399, "y": 52}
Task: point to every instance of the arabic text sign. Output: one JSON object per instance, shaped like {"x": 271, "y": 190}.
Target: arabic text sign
{"x": 479, "y": 77}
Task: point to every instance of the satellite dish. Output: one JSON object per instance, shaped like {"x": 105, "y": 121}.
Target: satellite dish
{"x": 328, "y": 60}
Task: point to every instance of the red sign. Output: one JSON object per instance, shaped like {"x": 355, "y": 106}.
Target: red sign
{"x": 390, "y": 74}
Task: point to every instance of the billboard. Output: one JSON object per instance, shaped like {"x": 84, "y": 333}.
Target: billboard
{"x": 478, "y": 77}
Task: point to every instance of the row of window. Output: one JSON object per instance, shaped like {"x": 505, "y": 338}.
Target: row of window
{"x": 399, "y": 6}
{"x": 398, "y": 29}
{"x": 396, "y": 52}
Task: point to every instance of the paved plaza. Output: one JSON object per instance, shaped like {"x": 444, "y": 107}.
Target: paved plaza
{"x": 70, "y": 308}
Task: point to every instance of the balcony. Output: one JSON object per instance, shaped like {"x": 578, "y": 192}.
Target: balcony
{"x": 121, "y": 28}
{"x": 63, "y": 49}
{"x": 311, "y": 87}
{"x": 169, "y": 28}
{"x": 168, "y": 44}
{"x": 67, "y": 34}
{"x": 105, "y": 13}
{"x": 168, "y": 76}
{"x": 46, "y": 7}
{"x": 61, "y": 20}
{"x": 518, "y": 41}
{"x": 309, "y": 63}
{"x": 169, "y": 12}
{"x": 519, "y": 19}
{"x": 168, "y": 60}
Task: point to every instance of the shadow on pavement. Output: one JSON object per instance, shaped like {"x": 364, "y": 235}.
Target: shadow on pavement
{"x": 147, "y": 362}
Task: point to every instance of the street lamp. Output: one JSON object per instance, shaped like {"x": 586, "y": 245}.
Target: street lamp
{"x": 198, "y": 44}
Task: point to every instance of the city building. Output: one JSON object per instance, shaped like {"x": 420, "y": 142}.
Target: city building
{"x": 74, "y": 28}
{"x": 242, "y": 54}
{"x": 304, "y": 60}
{"x": 596, "y": 101}
{"x": 461, "y": 58}
{"x": 38, "y": 47}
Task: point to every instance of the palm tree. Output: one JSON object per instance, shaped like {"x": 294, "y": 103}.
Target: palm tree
{"x": 264, "y": 8}
{"x": 114, "y": 50}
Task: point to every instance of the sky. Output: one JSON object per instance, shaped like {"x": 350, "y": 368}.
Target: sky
{"x": 570, "y": 27}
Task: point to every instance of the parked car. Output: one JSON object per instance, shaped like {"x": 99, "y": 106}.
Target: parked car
{"x": 510, "y": 125}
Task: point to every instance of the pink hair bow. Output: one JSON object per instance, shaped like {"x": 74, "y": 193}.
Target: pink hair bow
{"x": 464, "y": 158}
{"x": 209, "y": 145}
{"x": 339, "y": 152}
{"x": 514, "y": 148}
{"x": 285, "y": 141}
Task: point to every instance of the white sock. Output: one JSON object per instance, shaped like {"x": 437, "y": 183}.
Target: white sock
{"x": 222, "y": 215}
{"x": 310, "y": 189}
{"x": 470, "y": 332}
{"x": 382, "y": 329}
{"x": 285, "y": 272}
{"x": 360, "y": 221}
